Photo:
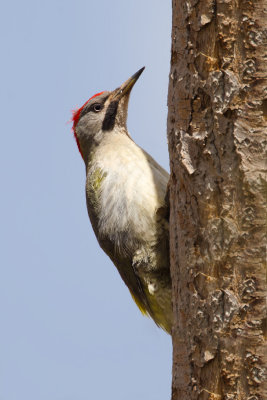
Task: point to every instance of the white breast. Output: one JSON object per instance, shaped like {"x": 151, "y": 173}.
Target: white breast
{"x": 133, "y": 189}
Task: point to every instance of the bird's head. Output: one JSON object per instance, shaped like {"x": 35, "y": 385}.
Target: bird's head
{"x": 101, "y": 114}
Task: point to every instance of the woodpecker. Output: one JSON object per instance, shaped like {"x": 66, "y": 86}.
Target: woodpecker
{"x": 126, "y": 200}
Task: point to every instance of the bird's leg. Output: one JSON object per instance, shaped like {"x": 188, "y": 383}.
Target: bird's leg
{"x": 143, "y": 262}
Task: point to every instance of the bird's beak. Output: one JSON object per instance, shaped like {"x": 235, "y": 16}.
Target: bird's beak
{"x": 127, "y": 86}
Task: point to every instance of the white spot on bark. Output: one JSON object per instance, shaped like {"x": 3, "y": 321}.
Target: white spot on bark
{"x": 204, "y": 19}
{"x": 208, "y": 356}
{"x": 185, "y": 156}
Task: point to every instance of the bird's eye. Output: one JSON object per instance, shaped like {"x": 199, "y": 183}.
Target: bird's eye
{"x": 97, "y": 107}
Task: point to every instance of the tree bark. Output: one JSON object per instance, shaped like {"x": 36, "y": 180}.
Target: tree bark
{"x": 217, "y": 137}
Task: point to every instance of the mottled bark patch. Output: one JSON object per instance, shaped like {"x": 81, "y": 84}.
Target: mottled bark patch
{"x": 217, "y": 142}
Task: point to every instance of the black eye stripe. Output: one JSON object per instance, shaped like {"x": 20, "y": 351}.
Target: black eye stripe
{"x": 109, "y": 120}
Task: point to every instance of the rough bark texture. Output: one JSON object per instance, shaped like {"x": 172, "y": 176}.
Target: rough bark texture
{"x": 217, "y": 134}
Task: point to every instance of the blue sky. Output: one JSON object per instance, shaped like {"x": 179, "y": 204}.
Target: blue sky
{"x": 69, "y": 328}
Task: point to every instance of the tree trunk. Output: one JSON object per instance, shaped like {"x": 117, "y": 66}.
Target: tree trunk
{"x": 217, "y": 133}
